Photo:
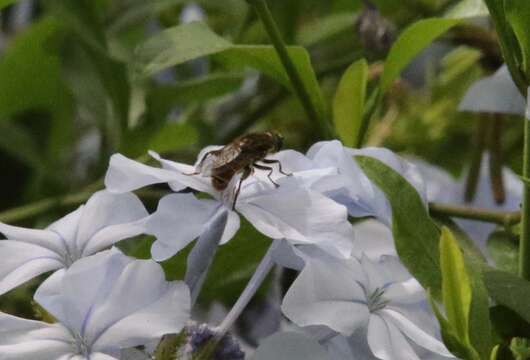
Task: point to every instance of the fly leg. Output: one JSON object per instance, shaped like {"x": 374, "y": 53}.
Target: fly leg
{"x": 200, "y": 163}
{"x": 270, "y": 161}
{"x": 271, "y": 170}
{"x": 246, "y": 173}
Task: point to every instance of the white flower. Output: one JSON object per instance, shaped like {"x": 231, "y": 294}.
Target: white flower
{"x": 102, "y": 304}
{"x": 378, "y": 303}
{"x": 292, "y": 211}
{"x": 352, "y": 187}
{"x": 494, "y": 94}
{"x": 104, "y": 220}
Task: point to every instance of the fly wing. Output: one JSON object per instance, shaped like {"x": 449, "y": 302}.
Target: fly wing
{"x": 216, "y": 158}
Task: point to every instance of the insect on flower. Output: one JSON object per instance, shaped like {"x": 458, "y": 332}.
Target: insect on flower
{"x": 242, "y": 155}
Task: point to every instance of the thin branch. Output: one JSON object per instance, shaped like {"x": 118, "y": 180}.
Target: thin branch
{"x": 505, "y": 218}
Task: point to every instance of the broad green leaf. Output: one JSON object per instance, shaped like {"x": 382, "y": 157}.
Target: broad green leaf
{"x": 410, "y": 43}
{"x": 265, "y": 59}
{"x": 325, "y": 27}
{"x": 509, "y": 290}
{"x": 504, "y": 250}
{"x": 468, "y": 9}
{"x": 30, "y": 79}
{"x": 349, "y": 101}
{"x": 456, "y": 288}
{"x": 415, "y": 234}
{"x": 173, "y": 136}
{"x": 183, "y": 43}
{"x": 518, "y": 15}
{"x": 177, "y": 45}
{"x": 508, "y": 324}
{"x": 162, "y": 99}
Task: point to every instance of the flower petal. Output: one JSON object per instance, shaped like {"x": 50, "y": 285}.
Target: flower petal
{"x": 326, "y": 293}
{"x": 140, "y": 307}
{"x": 179, "y": 219}
{"x": 179, "y": 170}
{"x": 23, "y": 261}
{"x": 232, "y": 226}
{"x": 29, "y": 339}
{"x": 406, "y": 292}
{"x": 415, "y": 333}
{"x": 86, "y": 283}
{"x": 108, "y": 218}
{"x": 43, "y": 238}
{"x": 125, "y": 175}
{"x": 387, "y": 342}
{"x": 298, "y": 214}
{"x": 290, "y": 346}
{"x": 494, "y": 94}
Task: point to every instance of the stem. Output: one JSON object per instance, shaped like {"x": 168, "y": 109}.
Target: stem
{"x": 524, "y": 241}
{"x": 202, "y": 255}
{"x": 465, "y": 212}
{"x": 261, "y": 8}
{"x": 481, "y": 130}
{"x": 253, "y": 285}
{"x": 372, "y": 106}
{"x": 495, "y": 147}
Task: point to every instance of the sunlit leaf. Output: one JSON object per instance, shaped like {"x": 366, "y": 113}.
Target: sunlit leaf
{"x": 468, "y": 9}
{"x": 349, "y": 101}
{"x": 456, "y": 288}
{"x": 410, "y": 43}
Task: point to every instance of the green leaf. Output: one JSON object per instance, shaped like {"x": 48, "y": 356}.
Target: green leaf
{"x": 509, "y": 290}
{"x": 508, "y": 324}
{"x": 456, "y": 288}
{"x": 325, "y": 27}
{"x": 183, "y": 43}
{"x": 479, "y": 322}
{"x": 410, "y": 43}
{"x": 173, "y": 136}
{"x": 349, "y": 101}
{"x": 415, "y": 234}
{"x": 449, "y": 337}
{"x": 4, "y": 3}
{"x": 265, "y": 59}
{"x": 177, "y": 45}
{"x": 504, "y": 250}
{"x": 162, "y": 99}
{"x": 17, "y": 142}
{"x": 468, "y": 9}
{"x": 518, "y": 14}
{"x": 30, "y": 79}
{"x": 509, "y": 44}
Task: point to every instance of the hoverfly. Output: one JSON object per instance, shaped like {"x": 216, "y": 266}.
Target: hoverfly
{"x": 241, "y": 156}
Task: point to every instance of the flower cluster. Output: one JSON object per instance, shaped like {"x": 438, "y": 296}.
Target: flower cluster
{"x": 351, "y": 287}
